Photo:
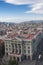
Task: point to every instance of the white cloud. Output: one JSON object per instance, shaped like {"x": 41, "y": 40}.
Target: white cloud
{"x": 36, "y": 8}
{"x": 20, "y": 2}
{"x": 37, "y": 5}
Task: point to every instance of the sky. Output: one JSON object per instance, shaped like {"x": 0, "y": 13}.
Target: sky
{"x": 21, "y": 10}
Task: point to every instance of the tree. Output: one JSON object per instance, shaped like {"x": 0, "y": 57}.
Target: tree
{"x": 2, "y": 50}
{"x": 12, "y": 62}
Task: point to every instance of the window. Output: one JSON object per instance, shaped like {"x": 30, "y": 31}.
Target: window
{"x": 28, "y": 51}
{"x": 29, "y": 41}
{"x": 7, "y": 54}
{"x": 19, "y": 51}
{"x": 24, "y": 51}
{"x": 6, "y": 45}
{"x": 9, "y": 45}
{"x": 19, "y": 46}
{"x": 7, "y": 49}
{"x": 28, "y": 47}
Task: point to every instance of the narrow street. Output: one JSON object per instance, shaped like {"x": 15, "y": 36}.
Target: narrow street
{"x": 39, "y": 52}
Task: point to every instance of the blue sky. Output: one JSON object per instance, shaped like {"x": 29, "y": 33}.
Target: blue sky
{"x": 21, "y": 10}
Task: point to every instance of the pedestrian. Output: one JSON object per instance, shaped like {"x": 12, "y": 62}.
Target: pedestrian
{"x": 39, "y": 58}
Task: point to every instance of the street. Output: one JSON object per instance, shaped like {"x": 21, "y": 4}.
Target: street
{"x": 27, "y": 62}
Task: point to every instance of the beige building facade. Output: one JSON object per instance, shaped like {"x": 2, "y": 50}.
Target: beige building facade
{"x": 21, "y": 49}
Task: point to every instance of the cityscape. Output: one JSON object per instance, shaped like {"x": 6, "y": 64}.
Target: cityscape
{"x": 21, "y": 32}
{"x": 20, "y": 41}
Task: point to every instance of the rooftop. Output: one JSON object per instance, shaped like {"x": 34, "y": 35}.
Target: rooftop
{"x": 31, "y": 36}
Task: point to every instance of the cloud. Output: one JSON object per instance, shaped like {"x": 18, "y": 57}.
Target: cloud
{"x": 37, "y": 5}
{"x": 36, "y": 8}
{"x": 20, "y": 2}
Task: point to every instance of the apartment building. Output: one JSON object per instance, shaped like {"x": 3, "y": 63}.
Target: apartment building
{"x": 20, "y": 48}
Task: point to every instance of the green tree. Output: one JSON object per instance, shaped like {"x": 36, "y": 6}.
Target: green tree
{"x": 2, "y": 50}
{"x": 12, "y": 62}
